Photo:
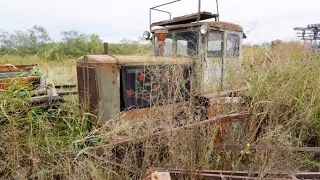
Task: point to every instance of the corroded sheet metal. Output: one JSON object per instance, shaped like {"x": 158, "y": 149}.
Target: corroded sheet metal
{"x": 23, "y": 81}
{"x": 222, "y": 174}
{"x": 81, "y": 83}
{"x": 88, "y": 92}
{"x": 97, "y": 59}
{"x": 225, "y": 26}
{"x": 93, "y": 91}
{"x": 211, "y": 122}
{"x": 99, "y": 89}
{"x": 16, "y": 68}
{"x": 218, "y": 25}
{"x": 133, "y": 60}
{"x": 108, "y": 77}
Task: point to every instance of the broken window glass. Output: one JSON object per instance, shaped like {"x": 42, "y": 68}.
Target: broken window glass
{"x": 233, "y": 45}
{"x": 215, "y": 44}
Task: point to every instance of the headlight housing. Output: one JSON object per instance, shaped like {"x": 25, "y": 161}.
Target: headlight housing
{"x": 204, "y": 29}
{"x": 146, "y": 35}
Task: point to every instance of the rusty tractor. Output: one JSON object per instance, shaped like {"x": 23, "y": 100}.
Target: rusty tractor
{"x": 192, "y": 60}
{"x": 204, "y": 53}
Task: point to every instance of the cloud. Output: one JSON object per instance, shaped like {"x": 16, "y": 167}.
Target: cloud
{"x": 127, "y": 18}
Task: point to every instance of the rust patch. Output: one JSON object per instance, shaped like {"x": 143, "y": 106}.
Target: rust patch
{"x": 142, "y": 77}
{"x": 23, "y": 81}
{"x": 16, "y": 68}
{"x": 87, "y": 87}
{"x": 225, "y": 25}
{"x": 130, "y": 93}
{"x": 93, "y": 91}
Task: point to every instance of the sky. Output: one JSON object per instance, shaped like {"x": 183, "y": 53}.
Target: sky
{"x": 113, "y": 20}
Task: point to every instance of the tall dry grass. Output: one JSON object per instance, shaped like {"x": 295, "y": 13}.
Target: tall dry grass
{"x": 284, "y": 98}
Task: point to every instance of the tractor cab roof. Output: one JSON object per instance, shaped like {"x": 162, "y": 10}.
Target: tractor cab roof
{"x": 191, "y": 20}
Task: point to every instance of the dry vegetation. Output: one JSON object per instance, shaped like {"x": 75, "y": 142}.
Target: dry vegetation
{"x": 285, "y": 106}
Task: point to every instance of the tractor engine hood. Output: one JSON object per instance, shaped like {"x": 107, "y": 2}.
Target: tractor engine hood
{"x": 133, "y": 60}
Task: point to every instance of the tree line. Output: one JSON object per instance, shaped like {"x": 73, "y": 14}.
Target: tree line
{"x": 36, "y": 41}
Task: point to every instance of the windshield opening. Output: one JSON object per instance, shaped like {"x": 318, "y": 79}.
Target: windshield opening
{"x": 179, "y": 43}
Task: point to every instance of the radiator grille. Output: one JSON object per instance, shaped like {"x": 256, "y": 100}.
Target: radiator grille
{"x": 88, "y": 90}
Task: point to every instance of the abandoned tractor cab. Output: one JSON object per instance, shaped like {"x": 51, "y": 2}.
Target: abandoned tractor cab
{"x": 193, "y": 60}
{"x": 215, "y": 48}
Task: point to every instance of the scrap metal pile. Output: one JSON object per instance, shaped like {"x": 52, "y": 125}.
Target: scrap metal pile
{"x": 31, "y": 82}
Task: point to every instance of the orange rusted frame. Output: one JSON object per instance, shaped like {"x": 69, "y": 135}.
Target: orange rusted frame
{"x": 224, "y": 119}
{"x": 16, "y": 68}
{"x": 23, "y": 81}
{"x": 220, "y": 174}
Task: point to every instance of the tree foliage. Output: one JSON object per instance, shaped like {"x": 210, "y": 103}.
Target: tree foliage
{"x": 36, "y": 41}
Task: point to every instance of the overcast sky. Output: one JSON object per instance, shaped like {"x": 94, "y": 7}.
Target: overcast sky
{"x": 113, "y": 20}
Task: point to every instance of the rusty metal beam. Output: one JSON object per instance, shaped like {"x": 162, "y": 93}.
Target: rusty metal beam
{"x": 218, "y": 120}
{"x": 217, "y": 174}
{"x": 270, "y": 148}
{"x": 67, "y": 93}
{"x": 16, "y": 68}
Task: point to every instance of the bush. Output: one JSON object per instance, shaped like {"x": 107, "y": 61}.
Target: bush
{"x": 73, "y": 45}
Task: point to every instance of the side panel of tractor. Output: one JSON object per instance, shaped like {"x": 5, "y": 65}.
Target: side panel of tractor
{"x": 98, "y": 86}
{"x": 108, "y": 85}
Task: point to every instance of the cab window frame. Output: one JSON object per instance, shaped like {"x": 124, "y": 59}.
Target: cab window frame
{"x": 192, "y": 46}
{"x": 233, "y": 40}
{"x": 216, "y": 37}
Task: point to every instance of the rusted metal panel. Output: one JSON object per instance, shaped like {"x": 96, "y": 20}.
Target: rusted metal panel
{"x": 23, "y": 81}
{"x": 81, "y": 83}
{"x": 14, "y": 74}
{"x": 132, "y": 60}
{"x": 96, "y": 59}
{"x": 233, "y": 175}
{"x": 308, "y": 175}
{"x": 185, "y": 19}
{"x": 108, "y": 77}
{"x": 225, "y": 26}
{"x": 93, "y": 91}
{"x": 87, "y": 88}
{"x": 266, "y": 148}
{"x": 211, "y": 122}
{"x": 16, "y": 68}
{"x": 206, "y": 174}
{"x": 99, "y": 86}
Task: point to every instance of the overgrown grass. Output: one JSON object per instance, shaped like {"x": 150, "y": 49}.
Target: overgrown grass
{"x": 284, "y": 100}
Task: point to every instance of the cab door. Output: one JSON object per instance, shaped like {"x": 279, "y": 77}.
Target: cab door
{"x": 232, "y": 63}
{"x": 212, "y": 66}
